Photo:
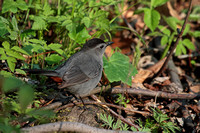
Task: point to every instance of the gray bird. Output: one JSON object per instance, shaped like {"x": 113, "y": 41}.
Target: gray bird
{"x": 81, "y": 73}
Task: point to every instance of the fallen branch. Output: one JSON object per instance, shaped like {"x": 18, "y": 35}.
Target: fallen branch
{"x": 115, "y": 114}
{"x": 70, "y": 127}
{"x": 159, "y": 94}
{"x": 101, "y": 103}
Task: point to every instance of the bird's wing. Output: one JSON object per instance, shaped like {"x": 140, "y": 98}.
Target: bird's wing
{"x": 81, "y": 72}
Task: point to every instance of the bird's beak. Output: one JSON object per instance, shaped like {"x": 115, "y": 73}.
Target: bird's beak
{"x": 109, "y": 43}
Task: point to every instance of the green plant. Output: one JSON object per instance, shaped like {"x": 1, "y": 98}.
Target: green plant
{"x": 157, "y": 124}
{"x": 15, "y": 107}
{"x": 110, "y": 123}
{"x": 122, "y": 100}
{"x": 70, "y": 22}
{"x": 118, "y": 68}
{"x": 152, "y": 18}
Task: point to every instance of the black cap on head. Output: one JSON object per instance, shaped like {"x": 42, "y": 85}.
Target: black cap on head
{"x": 93, "y": 43}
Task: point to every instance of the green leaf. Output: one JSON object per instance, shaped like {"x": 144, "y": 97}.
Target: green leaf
{"x": 81, "y": 36}
{"x": 180, "y": 49}
{"x": 187, "y": 28}
{"x": 11, "y": 83}
{"x": 155, "y": 3}
{"x": 54, "y": 46}
{"x": 164, "y": 30}
{"x": 13, "y": 35}
{"x": 151, "y": 18}
{"x": 14, "y": 54}
{"x": 20, "y": 71}
{"x": 36, "y": 41}
{"x": 41, "y": 114}
{"x": 14, "y": 24}
{"x": 6, "y": 45}
{"x": 39, "y": 23}
{"x": 5, "y": 73}
{"x": 26, "y": 95}
{"x": 11, "y": 63}
{"x": 86, "y": 21}
{"x": 102, "y": 23}
{"x": 164, "y": 40}
{"x": 188, "y": 44}
{"x": 27, "y": 34}
{"x": 3, "y": 26}
{"x": 53, "y": 59}
{"x": 9, "y": 5}
{"x": 18, "y": 49}
{"x": 37, "y": 48}
{"x": 47, "y": 10}
{"x": 118, "y": 68}
{"x": 172, "y": 22}
{"x": 195, "y": 33}
{"x": 21, "y": 4}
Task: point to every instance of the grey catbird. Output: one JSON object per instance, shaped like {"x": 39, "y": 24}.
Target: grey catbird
{"x": 82, "y": 71}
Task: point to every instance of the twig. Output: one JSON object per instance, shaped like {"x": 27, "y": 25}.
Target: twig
{"x": 159, "y": 94}
{"x": 68, "y": 126}
{"x": 115, "y": 114}
{"x": 101, "y": 103}
{"x": 175, "y": 44}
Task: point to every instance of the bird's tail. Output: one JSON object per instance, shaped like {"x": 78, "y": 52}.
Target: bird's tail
{"x": 42, "y": 72}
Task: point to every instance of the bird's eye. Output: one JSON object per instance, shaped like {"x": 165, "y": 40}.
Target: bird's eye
{"x": 101, "y": 46}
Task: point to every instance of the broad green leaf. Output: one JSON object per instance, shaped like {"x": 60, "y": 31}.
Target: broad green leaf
{"x": 195, "y": 33}
{"x": 13, "y": 35}
{"x": 39, "y": 23}
{"x": 21, "y": 4}
{"x": 27, "y": 33}
{"x": 102, "y": 23}
{"x": 155, "y": 33}
{"x": 11, "y": 63}
{"x": 151, "y": 18}
{"x": 164, "y": 40}
{"x": 47, "y": 10}
{"x": 6, "y": 45}
{"x": 81, "y": 36}
{"x": 188, "y": 44}
{"x": 155, "y": 3}
{"x": 3, "y": 26}
{"x": 11, "y": 83}
{"x": 118, "y": 68}
{"x": 41, "y": 114}
{"x": 18, "y": 49}
{"x": 26, "y": 95}
{"x": 86, "y": 21}
{"x": 36, "y": 41}
{"x": 5, "y": 73}
{"x": 54, "y": 46}
{"x": 187, "y": 28}
{"x": 9, "y": 5}
{"x": 20, "y": 71}
{"x": 53, "y": 59}
{"x": 164, "y": 30}
{"x": 172, "y": 22}
{"x": 2, "y": 51}
{"x": 37, "y": 48}
{"x": 14, "y": 54}
{"x": 180, "y": 49}
{"x": 14, "y": 24}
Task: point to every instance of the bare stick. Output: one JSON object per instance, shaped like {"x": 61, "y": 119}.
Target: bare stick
{"x": 115, "y": 114}
{"x": 68, "y": 126}
{"x": 101, "y": 103}
{"x": 159, "y": 94}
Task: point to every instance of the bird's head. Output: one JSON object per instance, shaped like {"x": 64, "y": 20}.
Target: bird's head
{"x": 96, "y": 45}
